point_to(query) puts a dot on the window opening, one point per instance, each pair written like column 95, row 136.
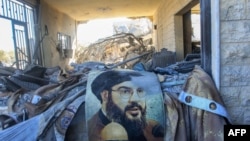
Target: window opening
column 64, row 45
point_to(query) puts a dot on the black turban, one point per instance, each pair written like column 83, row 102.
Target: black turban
column 107, row 79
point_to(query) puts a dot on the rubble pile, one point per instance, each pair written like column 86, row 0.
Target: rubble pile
column 27, row 93
column 40, row 100
column 116, row 49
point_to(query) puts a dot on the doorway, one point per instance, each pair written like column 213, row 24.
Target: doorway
column 18, row 41
column 192, row 30
column 183, row 24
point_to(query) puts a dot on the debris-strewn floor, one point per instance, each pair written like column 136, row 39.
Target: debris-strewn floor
column 35, row 99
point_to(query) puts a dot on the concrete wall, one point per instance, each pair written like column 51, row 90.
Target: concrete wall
column 56, row 22
column 235, row 58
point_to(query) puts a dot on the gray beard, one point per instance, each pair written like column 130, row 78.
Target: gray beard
column 133, row 127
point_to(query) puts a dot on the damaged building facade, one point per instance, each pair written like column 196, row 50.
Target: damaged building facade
column 224, row 39
column 229, row 44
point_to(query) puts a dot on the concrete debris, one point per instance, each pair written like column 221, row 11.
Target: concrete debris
column 36, row 88
column 115, row 49
column 57, row 90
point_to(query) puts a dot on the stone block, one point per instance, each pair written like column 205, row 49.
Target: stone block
column 230, row 96
column 234, row 9
column 235, row 31
column 236, row 75
column 235, row 53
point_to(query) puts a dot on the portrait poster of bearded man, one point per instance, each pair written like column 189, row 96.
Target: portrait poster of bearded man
column 124, row 105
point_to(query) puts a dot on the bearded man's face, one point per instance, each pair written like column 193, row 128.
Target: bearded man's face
column 129, row 112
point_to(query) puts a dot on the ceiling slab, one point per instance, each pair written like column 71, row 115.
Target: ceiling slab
column 84, row 10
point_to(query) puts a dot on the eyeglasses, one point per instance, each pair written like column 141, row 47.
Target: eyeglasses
column 126, row 92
